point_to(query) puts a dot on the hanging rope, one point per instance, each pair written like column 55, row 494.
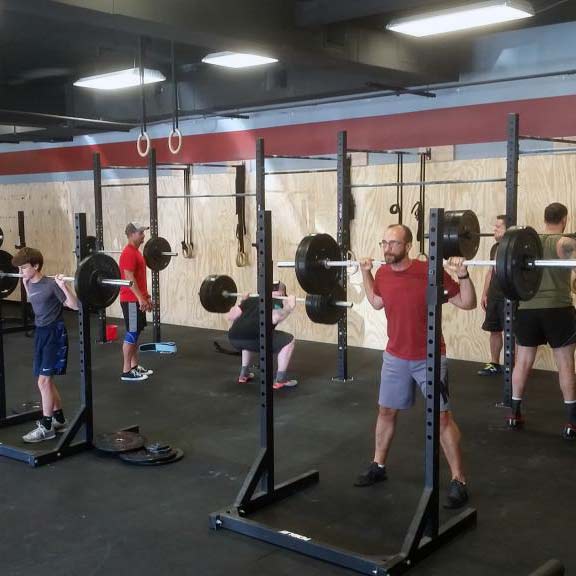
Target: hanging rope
column 175, row 129
column 143, row 137
column 187, row 243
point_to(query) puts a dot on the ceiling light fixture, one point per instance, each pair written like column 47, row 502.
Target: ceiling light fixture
column 237, row 59
column 120, row 79
column 462, row 18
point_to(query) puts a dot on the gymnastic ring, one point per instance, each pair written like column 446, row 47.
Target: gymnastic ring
column 178, row 134
column 241, row 259
column 143, row 136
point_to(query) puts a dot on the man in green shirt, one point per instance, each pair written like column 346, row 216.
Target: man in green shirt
column 549, row 318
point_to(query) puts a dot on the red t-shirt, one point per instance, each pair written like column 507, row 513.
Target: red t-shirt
column 132, row 260
column 404, row 297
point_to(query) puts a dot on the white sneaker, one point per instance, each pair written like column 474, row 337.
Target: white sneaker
column 145, row 371
column 39, row 434
column 59, row 427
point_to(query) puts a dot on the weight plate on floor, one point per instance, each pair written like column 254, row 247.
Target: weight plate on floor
column 311, row 255
column 517, row 249
column 145, row 457
column 119, row 442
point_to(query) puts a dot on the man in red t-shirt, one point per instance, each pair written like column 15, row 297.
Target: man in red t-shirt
column 400, row 288
column 135, row 301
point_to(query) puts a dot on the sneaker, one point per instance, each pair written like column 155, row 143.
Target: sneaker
column 59, row 427
column 490, row 369
column 373, row 474
column 244, row 379
column 457, row 495
column 286, row 384
column 133, row 376
column 142, row 370
column 39, row 434
column 515, row 422
column 569, row 432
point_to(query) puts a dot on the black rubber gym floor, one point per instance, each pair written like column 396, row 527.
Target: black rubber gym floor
column 93, row 515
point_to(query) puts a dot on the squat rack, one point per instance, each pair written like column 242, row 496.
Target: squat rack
column 259, row 489
column 82, row 423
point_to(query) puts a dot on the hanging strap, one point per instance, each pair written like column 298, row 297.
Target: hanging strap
column 241, row 256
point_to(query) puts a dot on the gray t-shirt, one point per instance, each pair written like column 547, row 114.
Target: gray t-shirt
column 46, row 299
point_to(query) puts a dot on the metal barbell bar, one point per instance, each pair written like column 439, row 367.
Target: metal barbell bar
column 332, row 263
column 106, row 281
column 342, row 304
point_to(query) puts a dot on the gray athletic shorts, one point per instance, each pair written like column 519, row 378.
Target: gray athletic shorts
column 399, row 378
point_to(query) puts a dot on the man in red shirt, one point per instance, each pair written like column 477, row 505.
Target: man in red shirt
column 135, row 301
column 400, row 288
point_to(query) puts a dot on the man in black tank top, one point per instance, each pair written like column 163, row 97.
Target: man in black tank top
column 492, row 303
column 549, row 318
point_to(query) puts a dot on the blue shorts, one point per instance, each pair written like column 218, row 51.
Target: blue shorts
column 50, row 349
column 399, row 378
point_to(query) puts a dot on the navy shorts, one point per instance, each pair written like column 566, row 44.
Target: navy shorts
column 51, row 349
column 134, row 318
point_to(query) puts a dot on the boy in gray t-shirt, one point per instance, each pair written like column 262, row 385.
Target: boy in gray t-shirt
column 48, row 297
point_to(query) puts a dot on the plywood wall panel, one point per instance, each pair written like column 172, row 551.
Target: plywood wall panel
column 300, row 204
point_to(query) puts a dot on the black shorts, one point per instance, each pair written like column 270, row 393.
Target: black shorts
column 494, row 320
column 134, row 318
column 279, row 340
column 50, row 349
column 555, row 326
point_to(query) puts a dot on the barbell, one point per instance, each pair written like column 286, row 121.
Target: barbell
column 518, row 264
column 218, row 293
column 157, row 252
column 96, row 281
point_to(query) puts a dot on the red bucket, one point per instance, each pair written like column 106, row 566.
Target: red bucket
column 111, row 332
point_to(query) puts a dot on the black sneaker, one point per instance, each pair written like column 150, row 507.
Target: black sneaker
column 457, row 495
column 515, row 422
column 133, row 376
column 490, row 369
column 374, row 474
column 569, row 432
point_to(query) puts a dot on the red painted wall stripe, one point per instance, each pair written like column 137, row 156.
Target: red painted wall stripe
column 447, row 126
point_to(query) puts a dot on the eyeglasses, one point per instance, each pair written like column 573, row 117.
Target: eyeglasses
column 390, row 244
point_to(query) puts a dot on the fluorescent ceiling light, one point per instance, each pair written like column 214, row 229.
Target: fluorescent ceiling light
column 120, row 79
column 237, row 59
column 463, row 18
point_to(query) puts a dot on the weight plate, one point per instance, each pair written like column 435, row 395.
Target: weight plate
column 1, row 236
column 211, row 293
column 146, row 458
column 461, row 234
column 311, row 272
column 118, row 442
column 153, row 253
column 87, row 281
column 517, row 279
column 320, row 308
column 7, row 284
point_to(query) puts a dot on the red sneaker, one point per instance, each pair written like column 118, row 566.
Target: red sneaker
column 286, row 384
column 244, row 379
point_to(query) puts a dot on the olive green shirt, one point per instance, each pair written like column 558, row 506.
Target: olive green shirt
column 554, row 291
